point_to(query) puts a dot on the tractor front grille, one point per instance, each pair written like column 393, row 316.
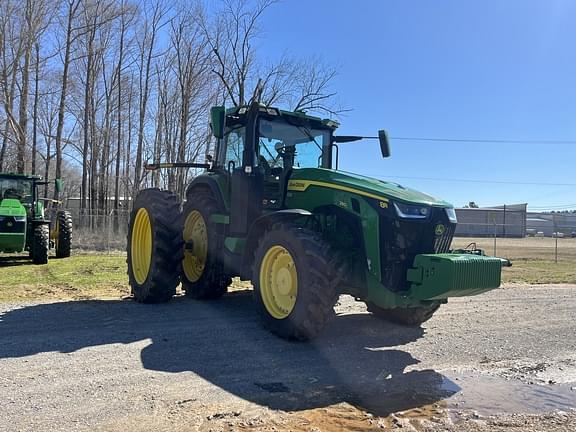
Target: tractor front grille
column 9, row 225
column 442, row 242
column 401, row 240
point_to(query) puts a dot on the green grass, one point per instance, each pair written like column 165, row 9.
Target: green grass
column 540, row 272
column 77, row 277
column 103, row 276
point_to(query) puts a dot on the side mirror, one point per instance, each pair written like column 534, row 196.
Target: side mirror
column 384, row 144
column 59, row 185
column 217, row 121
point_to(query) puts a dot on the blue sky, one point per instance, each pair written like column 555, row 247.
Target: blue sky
column 489, row 69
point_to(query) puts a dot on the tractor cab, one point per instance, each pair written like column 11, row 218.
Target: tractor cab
column 20, row 188
column 258, row 148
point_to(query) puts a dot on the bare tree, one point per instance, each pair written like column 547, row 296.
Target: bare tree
column 126, row 17
column 300, row 84
column 11, row 49
column 231, row 36
column 152, row 25
column 70, row 35
column 192, row 73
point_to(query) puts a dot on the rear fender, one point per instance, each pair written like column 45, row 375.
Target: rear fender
column 207, row 185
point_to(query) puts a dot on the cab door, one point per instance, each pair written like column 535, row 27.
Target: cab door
column 245, row 182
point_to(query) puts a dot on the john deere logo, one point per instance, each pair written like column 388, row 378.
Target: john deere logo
column 439, row 230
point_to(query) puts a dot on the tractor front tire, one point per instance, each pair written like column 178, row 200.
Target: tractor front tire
column 203, row 276
column 40, row 244
column 295, row 276
column 410, row 316
column 63, row 234
column 154, row 246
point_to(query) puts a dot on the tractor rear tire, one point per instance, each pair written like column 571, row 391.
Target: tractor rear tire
column 63, row 234
column 202, row 275
column 295, row 276
column 40, row 244
column 154, row 246
column 410, row 316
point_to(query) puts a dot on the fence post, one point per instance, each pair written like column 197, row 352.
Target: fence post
column 556, row 240
column 495, row 233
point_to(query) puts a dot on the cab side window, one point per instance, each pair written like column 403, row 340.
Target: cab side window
column 235, row 147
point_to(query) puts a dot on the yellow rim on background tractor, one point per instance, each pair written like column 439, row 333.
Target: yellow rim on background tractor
column 278, row 282
column 195, row 238
column 141, row 246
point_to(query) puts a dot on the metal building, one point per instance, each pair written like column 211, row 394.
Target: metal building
column 549, row 223
column 502, row 221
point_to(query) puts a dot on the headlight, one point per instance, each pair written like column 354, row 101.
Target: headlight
column 451, row 213
column 19, row 218
column 411, row 211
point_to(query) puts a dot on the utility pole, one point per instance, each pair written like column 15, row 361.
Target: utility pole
column 504, row 223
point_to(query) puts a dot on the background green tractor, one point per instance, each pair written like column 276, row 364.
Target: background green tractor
column 23, row 223
column 272, row 207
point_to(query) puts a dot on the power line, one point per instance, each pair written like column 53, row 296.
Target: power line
column 478, row 181
column 491, row 141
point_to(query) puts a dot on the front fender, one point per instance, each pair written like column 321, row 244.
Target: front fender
column 259, row 227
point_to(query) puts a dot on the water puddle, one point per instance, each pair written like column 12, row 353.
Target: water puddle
column 435, row 403
column 489, row 395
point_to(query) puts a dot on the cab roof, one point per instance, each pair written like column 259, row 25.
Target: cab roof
column 272, row 111
column 20, row 176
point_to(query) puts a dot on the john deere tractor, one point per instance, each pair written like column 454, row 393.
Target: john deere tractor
column 23, row 224
column 272, row 207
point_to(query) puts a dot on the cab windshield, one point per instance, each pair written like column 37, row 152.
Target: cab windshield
column 20, row 189
column 283, row 145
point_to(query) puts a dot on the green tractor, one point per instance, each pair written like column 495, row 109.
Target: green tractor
column 272, row 207
column 23, row 224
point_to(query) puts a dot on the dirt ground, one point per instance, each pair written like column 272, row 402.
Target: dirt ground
column 502, row 361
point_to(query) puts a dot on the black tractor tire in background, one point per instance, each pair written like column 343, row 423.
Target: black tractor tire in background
column 64, row 233
column 409, row 316
column 318, row 276
column 162, row 277
column 40, row 244
column 211, row 282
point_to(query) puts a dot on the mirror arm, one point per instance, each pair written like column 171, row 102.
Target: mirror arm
column 335, row 146
column 348, row 138
column 382, row 137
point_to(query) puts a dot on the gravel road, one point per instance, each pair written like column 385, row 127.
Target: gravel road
column 505, row 360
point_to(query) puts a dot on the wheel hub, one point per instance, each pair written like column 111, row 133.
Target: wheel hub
column 278, row 282
column 195, row 237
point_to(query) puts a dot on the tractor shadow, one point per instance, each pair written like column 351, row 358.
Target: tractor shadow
column 358, row 359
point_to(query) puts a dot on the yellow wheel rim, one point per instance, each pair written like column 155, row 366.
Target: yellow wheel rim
column 195, row 238
column 141, row 246
column 278, row 282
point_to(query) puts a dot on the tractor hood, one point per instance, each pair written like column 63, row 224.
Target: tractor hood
column 364, row 185
column 11, row 207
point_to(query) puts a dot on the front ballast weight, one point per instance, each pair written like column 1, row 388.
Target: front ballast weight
column 456, row 274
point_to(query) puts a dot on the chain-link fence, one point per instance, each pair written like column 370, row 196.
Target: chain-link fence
column 99, row 231
column 557, row 244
